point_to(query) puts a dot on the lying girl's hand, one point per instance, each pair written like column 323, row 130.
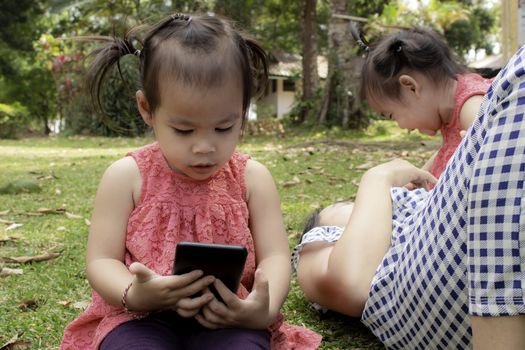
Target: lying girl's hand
column 399, row 172
column 252, row 312
column 152, row 292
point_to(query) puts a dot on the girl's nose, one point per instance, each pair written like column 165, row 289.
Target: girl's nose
column 203, row 146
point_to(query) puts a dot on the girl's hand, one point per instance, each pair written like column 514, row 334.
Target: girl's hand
column 399, row 172
column 151, row 292
column 252, row 312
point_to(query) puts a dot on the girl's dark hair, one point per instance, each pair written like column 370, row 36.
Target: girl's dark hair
column 407, row 50
column 311, row 221
column 199, row 51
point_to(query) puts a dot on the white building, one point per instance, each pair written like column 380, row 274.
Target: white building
column 284, row 71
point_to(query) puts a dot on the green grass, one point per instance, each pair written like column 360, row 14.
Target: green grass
column 36, row 305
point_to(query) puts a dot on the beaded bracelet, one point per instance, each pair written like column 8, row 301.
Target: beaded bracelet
column 124, row 295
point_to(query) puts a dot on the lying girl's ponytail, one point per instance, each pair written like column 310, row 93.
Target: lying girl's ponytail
column 359, row 37
column 390, row 65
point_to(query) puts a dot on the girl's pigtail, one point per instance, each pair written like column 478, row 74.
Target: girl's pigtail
column 393, row 61
column 256, row 64
column 259, row 65
column 359, row 37
column 105, row 57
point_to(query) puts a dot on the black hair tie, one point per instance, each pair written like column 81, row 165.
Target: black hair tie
column 181, row 17
column 397, row 46
column 359, row 37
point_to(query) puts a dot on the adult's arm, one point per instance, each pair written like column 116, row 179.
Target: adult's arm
column 505, row 332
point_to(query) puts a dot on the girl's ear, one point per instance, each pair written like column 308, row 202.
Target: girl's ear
column 409, row 84
column 143, row 107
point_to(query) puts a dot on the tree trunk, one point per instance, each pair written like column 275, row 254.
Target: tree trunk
column 310, row 75
column 341, row 99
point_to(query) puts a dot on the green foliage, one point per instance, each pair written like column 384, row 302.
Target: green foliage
column 465, row 24
column 42, row 69
column 464, row 35
column 25, row 80
column 13, row 119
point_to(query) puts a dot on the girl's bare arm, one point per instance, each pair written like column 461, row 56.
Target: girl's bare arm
column 354, row 258
column 269, row 234
column 106, row 242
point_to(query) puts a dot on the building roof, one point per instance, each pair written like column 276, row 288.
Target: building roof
column 286, row 65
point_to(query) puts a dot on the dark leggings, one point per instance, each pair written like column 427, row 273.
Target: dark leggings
column 167, row 330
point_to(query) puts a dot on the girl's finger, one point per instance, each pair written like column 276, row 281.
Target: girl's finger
column 210, row 315
column 228, row 297
column 186, row 313
column 195, row 303
column 141, row 272
column 185, row 279
column 205, row 323
column 193, row 287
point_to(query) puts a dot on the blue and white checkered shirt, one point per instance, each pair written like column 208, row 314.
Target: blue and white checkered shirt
column 459, row 250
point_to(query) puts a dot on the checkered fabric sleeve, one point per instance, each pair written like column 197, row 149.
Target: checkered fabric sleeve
column 459, row 249
column 496, row 204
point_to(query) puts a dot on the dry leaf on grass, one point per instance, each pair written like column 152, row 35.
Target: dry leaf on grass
column 51, row 211
column 15, row 343
column 47, row 177
column 72, row 216
column 293, row 182
column 28, row 259
column 29, row 304
column 6, row 222
column 87, row 222
column 5, row 212
column 6, row 271
column 82, row 305
column 365, row 166
column 13, row 226
column 5, row 240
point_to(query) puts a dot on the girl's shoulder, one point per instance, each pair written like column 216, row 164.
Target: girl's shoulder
column 125, row 168
column 257, row 177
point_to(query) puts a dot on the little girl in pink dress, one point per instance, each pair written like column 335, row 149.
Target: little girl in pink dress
column 198, row 74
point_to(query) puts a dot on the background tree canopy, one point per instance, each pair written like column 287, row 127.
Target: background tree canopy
column 41, row 66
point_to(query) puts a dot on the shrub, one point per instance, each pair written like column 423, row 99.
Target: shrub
column 13, row 120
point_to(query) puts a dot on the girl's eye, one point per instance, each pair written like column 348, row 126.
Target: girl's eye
column 182, row 131
column 224, row 129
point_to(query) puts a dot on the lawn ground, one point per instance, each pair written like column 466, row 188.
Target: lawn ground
column 37, row 299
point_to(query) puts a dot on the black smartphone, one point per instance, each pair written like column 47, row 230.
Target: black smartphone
column 225, row 262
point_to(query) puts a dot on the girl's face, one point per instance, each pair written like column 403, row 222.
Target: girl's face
column 417, row 107
column 197, row 128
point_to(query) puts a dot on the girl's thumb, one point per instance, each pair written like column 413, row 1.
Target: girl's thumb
column 141, row 272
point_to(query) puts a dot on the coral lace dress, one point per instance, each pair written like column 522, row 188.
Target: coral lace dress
column 468, row 85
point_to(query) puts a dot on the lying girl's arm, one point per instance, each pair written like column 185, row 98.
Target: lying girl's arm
column 269, row 234
column 356, row 255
